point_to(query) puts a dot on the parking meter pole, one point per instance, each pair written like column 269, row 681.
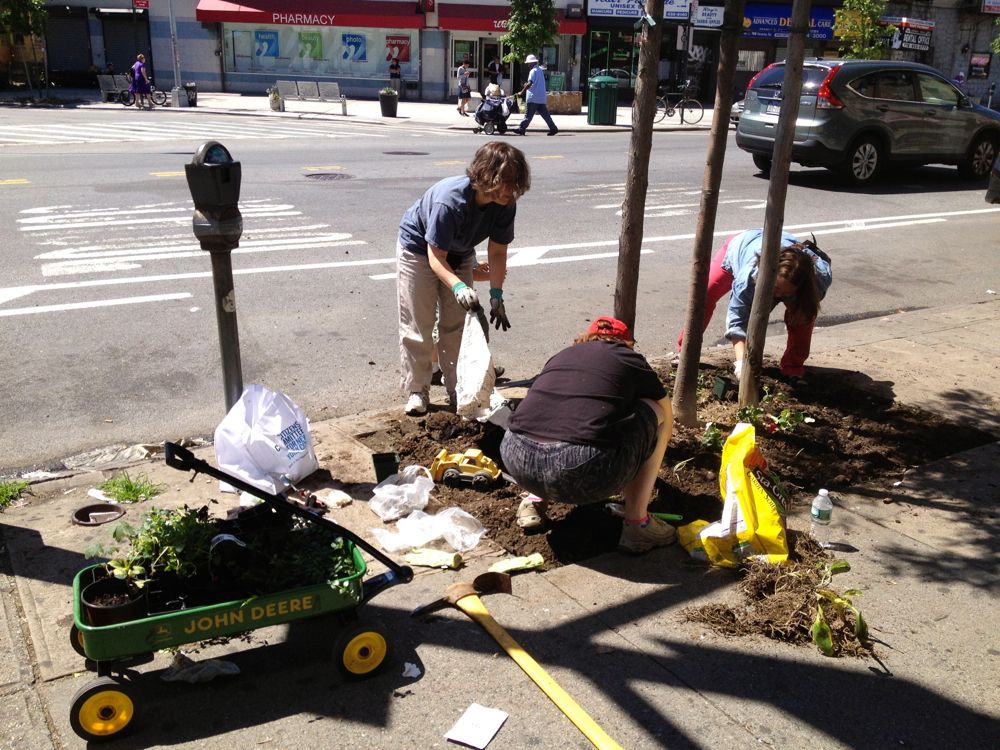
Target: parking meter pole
column 214, row 180
column 229, row 335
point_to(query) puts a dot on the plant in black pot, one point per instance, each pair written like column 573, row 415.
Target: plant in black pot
column 116, row 593
column 388, row 99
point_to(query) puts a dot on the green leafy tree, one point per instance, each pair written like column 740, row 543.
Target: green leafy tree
column 23, row 18
column 857, row 26
column 532, row 25
column 995, row 44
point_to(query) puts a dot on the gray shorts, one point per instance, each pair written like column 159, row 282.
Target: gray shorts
column 580, row 474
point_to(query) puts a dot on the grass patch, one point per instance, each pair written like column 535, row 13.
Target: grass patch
column 10, row 491
column 125, row 489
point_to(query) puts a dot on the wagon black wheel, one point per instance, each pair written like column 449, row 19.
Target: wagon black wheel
column 102, row 709
column 360, row 649
column 76, row 640
column 159, row 97
column 127, row 98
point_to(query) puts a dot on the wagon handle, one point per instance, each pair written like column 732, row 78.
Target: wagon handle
column 181, row 458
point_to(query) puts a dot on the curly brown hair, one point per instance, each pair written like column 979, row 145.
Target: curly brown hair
column 799, row 267
column 498, row 165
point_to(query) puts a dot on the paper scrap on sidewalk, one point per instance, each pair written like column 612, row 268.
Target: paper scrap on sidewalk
column 98, row 495
column 411, row 670
column 477, row 726
column 335, row 498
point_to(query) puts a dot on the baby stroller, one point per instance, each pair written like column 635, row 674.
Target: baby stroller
column 492, row 113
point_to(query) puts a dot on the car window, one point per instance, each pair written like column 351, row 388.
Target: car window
column 935, row 91
column 865, row 85
column 812, row 77
column 896, row 85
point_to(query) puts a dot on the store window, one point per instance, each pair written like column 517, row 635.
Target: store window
column 313, row 50
column 462, row 50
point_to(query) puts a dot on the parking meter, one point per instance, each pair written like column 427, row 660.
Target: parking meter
column 214, row 180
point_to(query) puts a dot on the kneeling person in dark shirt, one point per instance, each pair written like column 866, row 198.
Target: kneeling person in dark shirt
column 595, row 422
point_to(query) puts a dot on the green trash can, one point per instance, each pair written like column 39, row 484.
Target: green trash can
column 602, row 102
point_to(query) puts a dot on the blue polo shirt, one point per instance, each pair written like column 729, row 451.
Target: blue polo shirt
column 447, row 217
column 536, row 94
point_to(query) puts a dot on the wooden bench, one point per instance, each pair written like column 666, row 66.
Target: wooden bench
column 112, row 86
column 320, row 91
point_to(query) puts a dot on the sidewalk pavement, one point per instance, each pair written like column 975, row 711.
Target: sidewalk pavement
column 607, row 630
column 428, row 114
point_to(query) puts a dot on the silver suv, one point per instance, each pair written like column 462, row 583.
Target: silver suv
column 856, row 116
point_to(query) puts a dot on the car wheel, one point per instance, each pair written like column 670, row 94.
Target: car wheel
column 763, row 163
column 864, row 161
column 979, row 161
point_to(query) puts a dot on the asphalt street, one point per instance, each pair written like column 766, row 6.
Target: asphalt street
column 106, row 300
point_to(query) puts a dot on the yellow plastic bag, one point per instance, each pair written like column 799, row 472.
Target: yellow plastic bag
column 753, row 511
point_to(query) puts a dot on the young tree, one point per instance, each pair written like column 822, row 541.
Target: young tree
column 532, row 25
column 637, row 170
column 23, row 18
column 857, row 26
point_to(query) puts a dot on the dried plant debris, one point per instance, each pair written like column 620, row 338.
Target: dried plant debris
column 793, row 602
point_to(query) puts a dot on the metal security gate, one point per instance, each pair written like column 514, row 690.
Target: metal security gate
column 67, row 47
column 125, row 36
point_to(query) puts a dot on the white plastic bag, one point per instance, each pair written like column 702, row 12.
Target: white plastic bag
column 400, row 494
column 264, row 437
column 461, row 530
column 476, row 375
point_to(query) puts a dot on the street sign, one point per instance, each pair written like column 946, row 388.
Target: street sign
column 140, row 4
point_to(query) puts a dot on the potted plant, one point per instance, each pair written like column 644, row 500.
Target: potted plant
column 388, row 99
column 116, row 593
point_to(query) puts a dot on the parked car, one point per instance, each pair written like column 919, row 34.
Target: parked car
column 625, row 79
column 736, row 111
column 993, row 191
column 857, row 116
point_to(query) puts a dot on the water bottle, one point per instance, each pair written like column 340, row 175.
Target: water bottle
column 822, row 513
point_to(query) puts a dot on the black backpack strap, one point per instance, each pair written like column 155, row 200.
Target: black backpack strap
column 813, row 247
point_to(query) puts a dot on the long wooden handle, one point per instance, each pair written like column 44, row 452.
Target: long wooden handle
column 473, row 606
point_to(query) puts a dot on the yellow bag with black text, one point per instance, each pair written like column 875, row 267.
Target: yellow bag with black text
column 753, row 511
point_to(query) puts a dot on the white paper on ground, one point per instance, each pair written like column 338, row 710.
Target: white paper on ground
column 477, row 726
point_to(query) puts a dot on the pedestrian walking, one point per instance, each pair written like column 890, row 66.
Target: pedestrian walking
column 436, row 255
column 803, row 278
column 595, row 422
column 535, row 97
column 140, row 85
column 396, row 75
column 464, row 91
column 495, row 70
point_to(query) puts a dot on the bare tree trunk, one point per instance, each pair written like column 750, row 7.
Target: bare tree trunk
column 774, row 214
column 637, row 173
column 686, row 385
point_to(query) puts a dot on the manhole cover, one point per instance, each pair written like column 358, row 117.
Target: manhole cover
column 405, row 153
column 329, row 176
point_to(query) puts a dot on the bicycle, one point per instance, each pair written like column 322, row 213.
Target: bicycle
column 690, row 108
column 159, row 98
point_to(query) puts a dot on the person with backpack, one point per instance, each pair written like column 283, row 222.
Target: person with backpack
column 803, row 278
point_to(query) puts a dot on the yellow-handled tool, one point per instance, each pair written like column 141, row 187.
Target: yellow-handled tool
column 465, row 596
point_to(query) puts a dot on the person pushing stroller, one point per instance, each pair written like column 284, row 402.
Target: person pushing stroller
column 492, row 113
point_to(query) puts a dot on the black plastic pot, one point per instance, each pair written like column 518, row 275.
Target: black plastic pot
column 99, row 612
column 388, row 104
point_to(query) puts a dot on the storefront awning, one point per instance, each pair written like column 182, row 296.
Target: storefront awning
column 366, row 13
column 454, row 17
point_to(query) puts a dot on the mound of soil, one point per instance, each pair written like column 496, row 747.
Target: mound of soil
column 850, row 439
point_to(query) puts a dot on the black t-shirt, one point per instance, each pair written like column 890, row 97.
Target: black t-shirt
column 587, row 394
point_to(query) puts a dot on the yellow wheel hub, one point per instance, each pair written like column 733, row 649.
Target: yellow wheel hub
column 105, row 713
column 364, row 652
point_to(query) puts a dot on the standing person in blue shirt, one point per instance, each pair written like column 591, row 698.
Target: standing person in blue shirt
column 536, row 98
column 436, row 255
column 803, row 277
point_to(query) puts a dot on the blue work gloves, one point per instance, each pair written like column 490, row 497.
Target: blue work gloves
column 498, row 315
column 466, row 296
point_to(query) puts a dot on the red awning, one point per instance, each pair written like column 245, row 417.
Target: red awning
column 367, row 13
column 454, row 17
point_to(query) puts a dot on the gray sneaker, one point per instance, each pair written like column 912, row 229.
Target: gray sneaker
column 638, row 539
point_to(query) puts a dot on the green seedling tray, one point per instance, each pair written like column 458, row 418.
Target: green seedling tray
column 163, row 630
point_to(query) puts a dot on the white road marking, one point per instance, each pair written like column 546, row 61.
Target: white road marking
column 95, row 303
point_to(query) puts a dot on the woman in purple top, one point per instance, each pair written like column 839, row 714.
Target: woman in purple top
column 140, row 82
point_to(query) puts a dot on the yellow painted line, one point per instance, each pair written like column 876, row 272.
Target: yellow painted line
column 320, row 169
column 448, row 163
column 17, row 181
column 167, row 174
column 548, row 157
